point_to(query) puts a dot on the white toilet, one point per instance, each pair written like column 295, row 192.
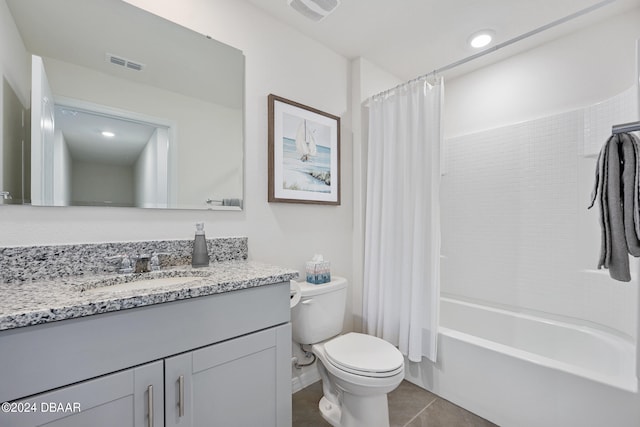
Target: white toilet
column 357, row 370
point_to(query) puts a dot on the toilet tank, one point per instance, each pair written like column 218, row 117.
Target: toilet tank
column 320, row 313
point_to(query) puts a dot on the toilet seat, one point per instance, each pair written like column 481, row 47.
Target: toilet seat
column 364, row 355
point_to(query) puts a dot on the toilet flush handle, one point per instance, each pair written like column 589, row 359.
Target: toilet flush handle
column 307, row 301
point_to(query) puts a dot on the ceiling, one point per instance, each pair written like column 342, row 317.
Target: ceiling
column 50, row 28
column 82, row 132
column 53, row 29
column 409, row 38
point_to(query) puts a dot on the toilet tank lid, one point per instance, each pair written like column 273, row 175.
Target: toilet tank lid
column 309, row 289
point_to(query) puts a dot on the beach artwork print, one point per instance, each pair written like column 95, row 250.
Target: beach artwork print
column 303, row 154
column 306, row 155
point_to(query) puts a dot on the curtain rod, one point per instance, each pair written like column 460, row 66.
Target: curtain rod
column 516, row 39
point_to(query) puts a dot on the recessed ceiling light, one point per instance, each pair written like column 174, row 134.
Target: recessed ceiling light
column 481, row 38
column 108, row 134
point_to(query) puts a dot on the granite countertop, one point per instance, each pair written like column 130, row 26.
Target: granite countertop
column 34, row 303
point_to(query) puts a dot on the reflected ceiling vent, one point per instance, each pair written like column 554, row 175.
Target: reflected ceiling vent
column 124, row 62
column 316, row 10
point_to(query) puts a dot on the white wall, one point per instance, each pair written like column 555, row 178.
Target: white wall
column 62, row 171
column 14, row 62
column 516, row 231
column 144, row 171
column 150, row 172
column 14, row 66
column 277, row 61
column 514, row 200
column 11, row 142
column 99, row 183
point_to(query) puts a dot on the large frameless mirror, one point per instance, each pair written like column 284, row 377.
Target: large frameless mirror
column 126, row 109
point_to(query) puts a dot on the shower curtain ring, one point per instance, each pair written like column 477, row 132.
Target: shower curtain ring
column 432, row 79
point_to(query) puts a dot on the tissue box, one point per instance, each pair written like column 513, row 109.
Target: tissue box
column 318, row 272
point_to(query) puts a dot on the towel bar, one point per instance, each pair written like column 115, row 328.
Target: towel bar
column 626, row 127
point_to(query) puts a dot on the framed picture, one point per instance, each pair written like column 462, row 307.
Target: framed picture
column 304, row 154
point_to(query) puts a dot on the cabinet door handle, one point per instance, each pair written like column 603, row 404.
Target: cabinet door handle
column 181, row 396
column 150, row 405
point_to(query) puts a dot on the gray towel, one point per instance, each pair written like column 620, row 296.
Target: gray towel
column 629, row 183
column 617, row 179
column 232, row 202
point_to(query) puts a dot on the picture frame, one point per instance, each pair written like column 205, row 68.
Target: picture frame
column 304, row 154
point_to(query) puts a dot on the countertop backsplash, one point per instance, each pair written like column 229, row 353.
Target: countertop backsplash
column 35, row 263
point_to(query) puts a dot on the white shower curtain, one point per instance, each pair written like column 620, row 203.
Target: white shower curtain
column 402, row 231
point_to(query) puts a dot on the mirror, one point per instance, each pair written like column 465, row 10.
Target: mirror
column 127, row 109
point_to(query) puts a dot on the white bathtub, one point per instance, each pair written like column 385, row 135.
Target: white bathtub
column 525, row 371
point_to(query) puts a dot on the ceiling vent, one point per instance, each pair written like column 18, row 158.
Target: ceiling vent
column 316, row 10
column 123, row 62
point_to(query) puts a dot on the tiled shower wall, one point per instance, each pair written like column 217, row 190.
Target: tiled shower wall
column 515, row 229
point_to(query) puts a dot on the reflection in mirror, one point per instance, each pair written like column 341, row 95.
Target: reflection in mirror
column 109, row 160
column 15, row 179
column 172, row 98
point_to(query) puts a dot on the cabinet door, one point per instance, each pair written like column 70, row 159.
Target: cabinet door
column 237, row 383
column 121, row 399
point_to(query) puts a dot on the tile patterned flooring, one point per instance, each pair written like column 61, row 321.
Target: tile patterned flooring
column 409, row 406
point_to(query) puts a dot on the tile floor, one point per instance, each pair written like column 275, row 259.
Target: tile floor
column 409, row 406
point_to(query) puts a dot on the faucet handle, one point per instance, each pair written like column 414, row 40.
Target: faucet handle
column 155, row 260
column 125, row 263
column 154, row 263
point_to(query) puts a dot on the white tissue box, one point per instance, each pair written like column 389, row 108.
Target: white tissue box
column 318, row 272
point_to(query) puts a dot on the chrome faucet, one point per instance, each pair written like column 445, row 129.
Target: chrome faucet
column 143, row 264
column 4, row 195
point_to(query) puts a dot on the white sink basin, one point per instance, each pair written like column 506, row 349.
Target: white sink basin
column 134, row 285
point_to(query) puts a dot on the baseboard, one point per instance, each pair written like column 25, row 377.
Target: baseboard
column 305, row 379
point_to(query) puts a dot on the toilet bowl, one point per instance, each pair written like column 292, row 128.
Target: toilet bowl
column 357, row 370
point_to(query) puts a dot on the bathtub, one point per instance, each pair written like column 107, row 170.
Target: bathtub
column 526, row 371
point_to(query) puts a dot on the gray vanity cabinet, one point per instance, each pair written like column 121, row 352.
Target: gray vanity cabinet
column 234, row 383
column 219, row 360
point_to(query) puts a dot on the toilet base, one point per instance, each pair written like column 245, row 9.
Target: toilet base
column 351, row 400
column 356, row 411
column 330, row 412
